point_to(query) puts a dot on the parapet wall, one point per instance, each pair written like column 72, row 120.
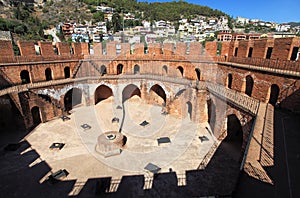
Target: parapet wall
column 282, row 48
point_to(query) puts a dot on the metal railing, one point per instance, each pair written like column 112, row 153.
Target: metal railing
column 285, row 67
column 240, row 99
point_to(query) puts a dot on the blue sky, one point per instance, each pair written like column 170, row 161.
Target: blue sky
column 279, row 11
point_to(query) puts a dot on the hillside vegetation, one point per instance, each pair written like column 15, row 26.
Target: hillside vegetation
column 27, row 22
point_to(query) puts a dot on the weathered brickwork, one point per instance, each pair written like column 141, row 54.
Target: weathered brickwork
column 211, row 48
column 63, row 48
column 264, row 86
column 46, row 48
column 6, row 49
column 26, row 48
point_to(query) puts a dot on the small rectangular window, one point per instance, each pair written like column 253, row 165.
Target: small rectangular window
column 269, row 52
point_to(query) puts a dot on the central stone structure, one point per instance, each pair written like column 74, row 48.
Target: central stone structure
column 110, row 143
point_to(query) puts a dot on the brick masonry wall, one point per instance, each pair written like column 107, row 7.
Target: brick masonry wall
column 85, row 48
column 282, row 48
column 243, row 49
column 154, row 49
column 26, row 48
column 225, row 48
column 46, row 48
column 63, row 48
column 6, row 49
column 180, row 49
column 77, row 48
column 98, row 49
column 211, row 48
column 168, row 49
column 195, row 48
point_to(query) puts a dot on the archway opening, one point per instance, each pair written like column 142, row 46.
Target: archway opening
column 48, row 74
column 103, row 70
column 179, row 93
column 45, row 97
column 24, row 75
column 102, row 92
column 130, row 91
column 180, row 71
column 198, row 73
column 211, row 111
column 119, row 69
column 229, row 81
column 158, row 95
column 67, row 72
column 36, row 116
column 234, row 131
column 274, row 93
column 249, row 85
column 165, row 70
column 136, row 69
column 72, row 98
column 189, row 109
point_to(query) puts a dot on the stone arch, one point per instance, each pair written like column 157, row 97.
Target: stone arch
column 180, row 71
column 180, row 92
column 165, row 70
column 136, row 69
column 103, row 70
column 72, row 98
column 119, row 69
column 249, row 85
column 36, row 115
column 102, row 92
column 229, row 81
column 274, row 93
column 48, row 74
column 25, row 78
column 234, row 130
column 130, row 91
column 45, row 97
column 158, row 94
column 212, row 113
column 67, row 72
column 189, row 109
column 198, row 73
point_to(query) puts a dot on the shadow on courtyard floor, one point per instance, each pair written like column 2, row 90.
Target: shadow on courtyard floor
column 22, row 174
column 285, row 173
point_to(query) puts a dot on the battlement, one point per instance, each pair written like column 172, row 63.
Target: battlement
column 281, row 48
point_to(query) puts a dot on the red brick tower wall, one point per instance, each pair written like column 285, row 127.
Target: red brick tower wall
column 85, row 48
column 26, row 48
column 154, row 48
column 180, row 49
column 46, row 48
column 6, row 49
column 63, row 48
column 111, row 49
column 225, row 48
column 98, row 49
column 77, row 48
column 260, row 48
column 125, row 48
column 195, row 48
column 243, row 48
column 139, row 49
column 211, row 48
column 283, row 48
column 233, row 45
column 168, row 49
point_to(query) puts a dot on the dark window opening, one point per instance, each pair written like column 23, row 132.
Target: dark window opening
column 250, row 52
column 269, row 52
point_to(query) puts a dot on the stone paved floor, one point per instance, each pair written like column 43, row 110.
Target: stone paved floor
column 24, row 171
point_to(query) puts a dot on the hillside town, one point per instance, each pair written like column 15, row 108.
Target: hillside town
column 198, row 29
